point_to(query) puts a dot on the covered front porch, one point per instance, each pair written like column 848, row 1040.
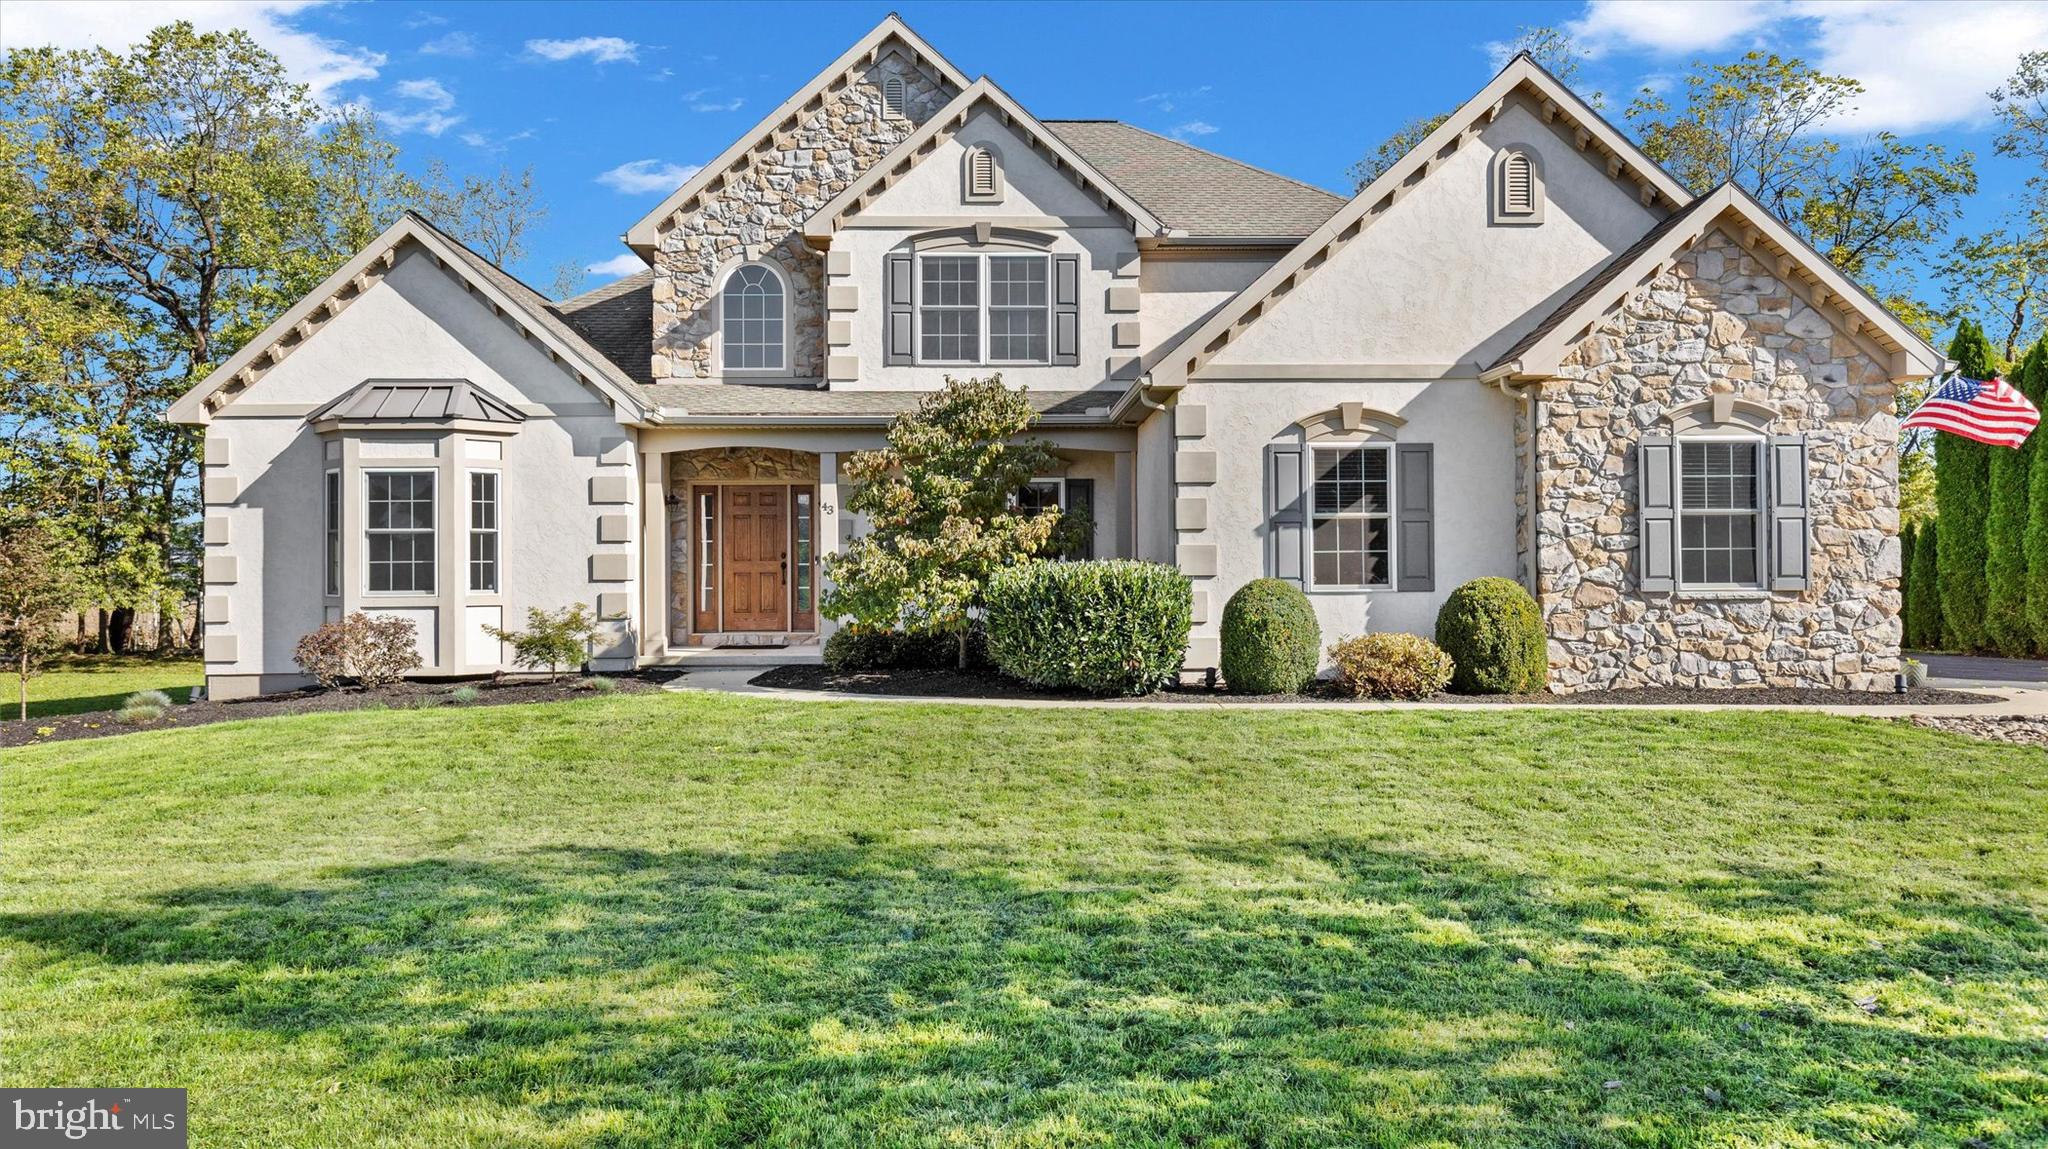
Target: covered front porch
column 739, row 523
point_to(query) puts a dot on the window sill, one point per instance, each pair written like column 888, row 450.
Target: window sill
column 1728, row 595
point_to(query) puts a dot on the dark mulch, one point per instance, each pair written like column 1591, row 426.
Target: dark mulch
column 929, row 683
column 403, row 696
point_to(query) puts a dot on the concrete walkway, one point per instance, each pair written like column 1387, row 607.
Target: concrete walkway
column 2031, row 701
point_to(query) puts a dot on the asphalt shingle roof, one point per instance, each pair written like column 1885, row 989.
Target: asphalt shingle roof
column 1196, row 191
column 618, row 320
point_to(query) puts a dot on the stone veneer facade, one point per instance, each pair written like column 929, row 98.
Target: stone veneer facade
column 760, row 211
column 1717, row 321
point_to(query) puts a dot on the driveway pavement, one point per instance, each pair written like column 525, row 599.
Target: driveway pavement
column 1965, row 670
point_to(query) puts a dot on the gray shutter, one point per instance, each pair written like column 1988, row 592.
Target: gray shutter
column 1066, row 310
column 1790, row 556
column 900, row 344
column 1414, row 516
column 1657, row 514
column 1286, row 516
column 1081, row 497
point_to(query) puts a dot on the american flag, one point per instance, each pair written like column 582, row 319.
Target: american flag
column 1987, row 410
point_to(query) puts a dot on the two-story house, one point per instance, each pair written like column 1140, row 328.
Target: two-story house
column 1524, row 350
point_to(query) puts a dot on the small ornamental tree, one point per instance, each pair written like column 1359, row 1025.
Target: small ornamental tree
column 39, row 584
column 556, row 640
column 2006, row 624
column 1962, row 500
column 941, row 505
column 1923, row 607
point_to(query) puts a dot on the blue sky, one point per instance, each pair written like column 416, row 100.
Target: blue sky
column 613, row 103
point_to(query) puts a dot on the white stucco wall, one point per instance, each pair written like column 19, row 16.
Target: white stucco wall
column 1179, row 293
column 416, row 323
column 1471, row 428
column 1432, row 282
column 930, row 197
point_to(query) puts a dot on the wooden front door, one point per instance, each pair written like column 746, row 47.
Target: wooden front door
column 756, row 530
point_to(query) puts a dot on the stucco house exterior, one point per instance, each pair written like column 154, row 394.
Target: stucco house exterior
column 1524, row 350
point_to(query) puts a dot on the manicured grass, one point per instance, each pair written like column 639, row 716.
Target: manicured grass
column 706, row 920
column 75, row 685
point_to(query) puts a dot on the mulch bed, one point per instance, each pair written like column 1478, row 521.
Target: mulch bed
column 402, row 696
column 929, row 683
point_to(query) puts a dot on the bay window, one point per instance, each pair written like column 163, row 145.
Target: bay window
column 399, row 531
column 483, row 531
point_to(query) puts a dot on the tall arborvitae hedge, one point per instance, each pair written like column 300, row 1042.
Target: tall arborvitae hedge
column 1923, row 610
column 1908, row 536
column 1962, row 500
column 2006, row 623
column 2036, row 543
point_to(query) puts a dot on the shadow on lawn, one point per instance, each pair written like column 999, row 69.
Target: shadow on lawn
column 1338, row 993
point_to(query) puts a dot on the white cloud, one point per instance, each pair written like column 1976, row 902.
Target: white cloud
column 458, row 44
column 428, row 108
column 1194, row 128
column 1168, row 101
column 601, row 49
column 642, row 176
column 732, row 105
column 618, row 266
column 321, row 63
column 1666, row 28
column 1922, row 66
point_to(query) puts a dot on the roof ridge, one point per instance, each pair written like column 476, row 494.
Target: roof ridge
column 479, row 256
column 607, row 290
column 1338, row 196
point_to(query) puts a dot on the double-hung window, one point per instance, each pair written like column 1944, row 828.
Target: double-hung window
column 483, row 531
column 400, row 531
column 1351, row 528
column 984, row 309
column 1720, row 512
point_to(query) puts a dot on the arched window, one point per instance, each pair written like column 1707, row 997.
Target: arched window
column 981, row 175
column 1517, row 186
column 752, row 310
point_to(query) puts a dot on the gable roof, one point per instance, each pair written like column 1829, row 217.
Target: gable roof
column 643, row 235
column 525, row 309
column 1522, row 75
column 918, row 145
column 618, row 320
column 1820, row 283
column 417, row 401
column 1197, row 192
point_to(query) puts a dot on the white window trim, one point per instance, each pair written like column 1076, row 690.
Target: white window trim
column 984, row 309
column 1308, row 495
column 333, row 521
column 471, row 530
column 788, row 302
column 435, row 530
column 1761, row 515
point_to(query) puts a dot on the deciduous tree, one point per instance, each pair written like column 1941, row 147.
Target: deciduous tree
column 38, row 589
column 941, row 505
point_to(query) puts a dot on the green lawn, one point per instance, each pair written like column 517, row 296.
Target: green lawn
column 75, row 685
column 707, row 920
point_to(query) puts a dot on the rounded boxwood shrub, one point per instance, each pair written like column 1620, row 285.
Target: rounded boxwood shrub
column 1405, row 666
column 1107, row 627
column 1270, row 639
column 1494, row 634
